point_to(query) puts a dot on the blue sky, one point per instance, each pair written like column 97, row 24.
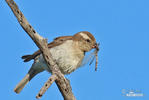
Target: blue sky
column 121, row 27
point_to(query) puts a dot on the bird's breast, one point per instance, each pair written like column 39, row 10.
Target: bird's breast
column 66, row 56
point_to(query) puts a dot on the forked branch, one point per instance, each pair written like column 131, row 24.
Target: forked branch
column 62, row 83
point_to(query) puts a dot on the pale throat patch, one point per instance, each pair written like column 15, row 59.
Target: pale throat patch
column 85, row 36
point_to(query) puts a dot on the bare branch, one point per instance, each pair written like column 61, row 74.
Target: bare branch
column 62, row 83
column 46, row 86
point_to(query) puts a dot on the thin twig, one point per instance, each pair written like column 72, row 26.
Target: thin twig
column 46, row 86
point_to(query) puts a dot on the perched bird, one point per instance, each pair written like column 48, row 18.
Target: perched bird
column 67, row 51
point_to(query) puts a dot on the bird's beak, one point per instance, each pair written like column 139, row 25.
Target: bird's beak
column 96, row 46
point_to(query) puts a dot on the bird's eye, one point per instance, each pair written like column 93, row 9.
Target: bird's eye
column 88, row 40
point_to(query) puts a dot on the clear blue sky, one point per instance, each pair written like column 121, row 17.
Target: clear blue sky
column 121, row 27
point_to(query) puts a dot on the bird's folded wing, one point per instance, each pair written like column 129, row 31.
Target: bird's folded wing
column 57, row 41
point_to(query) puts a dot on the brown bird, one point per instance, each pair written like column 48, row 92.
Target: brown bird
column 67, row 51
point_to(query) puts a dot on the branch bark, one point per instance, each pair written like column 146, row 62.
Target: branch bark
column 62, row 83
column 46, row 85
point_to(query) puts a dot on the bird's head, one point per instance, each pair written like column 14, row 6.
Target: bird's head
column 86, row 41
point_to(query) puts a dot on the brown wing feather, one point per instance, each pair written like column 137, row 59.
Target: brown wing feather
column 57, row 41
column 62, row 38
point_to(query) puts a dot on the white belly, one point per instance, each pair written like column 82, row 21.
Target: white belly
column 65, row 56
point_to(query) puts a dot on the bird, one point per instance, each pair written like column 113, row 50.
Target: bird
column 67, row 51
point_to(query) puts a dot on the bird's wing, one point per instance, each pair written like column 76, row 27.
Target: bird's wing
column 57, row 41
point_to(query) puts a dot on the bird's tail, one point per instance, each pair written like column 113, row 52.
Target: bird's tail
column 32, row 72
column 27, row 58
